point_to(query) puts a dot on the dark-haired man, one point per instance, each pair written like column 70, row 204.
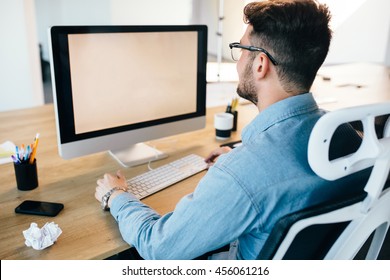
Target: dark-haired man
column 247, row 189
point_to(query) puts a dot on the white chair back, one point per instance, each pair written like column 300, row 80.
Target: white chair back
column 366, row 216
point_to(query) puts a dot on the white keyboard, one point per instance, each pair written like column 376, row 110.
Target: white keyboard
column 164, row 176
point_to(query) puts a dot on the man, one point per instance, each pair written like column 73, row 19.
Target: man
column 249, row 188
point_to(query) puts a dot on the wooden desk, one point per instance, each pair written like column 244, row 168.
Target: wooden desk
column 89, row 232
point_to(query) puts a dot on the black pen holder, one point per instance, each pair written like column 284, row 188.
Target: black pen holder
column 26, row 175
column 235, row 114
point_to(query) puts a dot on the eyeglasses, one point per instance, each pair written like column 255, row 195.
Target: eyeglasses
column 236, row 51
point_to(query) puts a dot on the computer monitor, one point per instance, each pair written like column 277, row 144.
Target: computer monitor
column 115, row 87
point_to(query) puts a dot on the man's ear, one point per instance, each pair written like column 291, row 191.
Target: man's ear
column 261, row 66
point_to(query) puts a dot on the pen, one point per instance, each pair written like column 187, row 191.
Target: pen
column 17, row 152
column 27, row 154
column 228, row 108
column 16, row 160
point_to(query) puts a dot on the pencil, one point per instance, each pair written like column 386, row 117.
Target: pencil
column 34, row 149
column 234, row 104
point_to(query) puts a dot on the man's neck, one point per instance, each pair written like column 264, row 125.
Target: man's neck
column 270, row 96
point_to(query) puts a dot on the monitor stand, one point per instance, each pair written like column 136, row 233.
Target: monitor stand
column 136, row 155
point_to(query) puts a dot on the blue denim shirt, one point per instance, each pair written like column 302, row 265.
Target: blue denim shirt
column 241, row 196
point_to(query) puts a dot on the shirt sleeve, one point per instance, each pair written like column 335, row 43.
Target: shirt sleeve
column 217, row 213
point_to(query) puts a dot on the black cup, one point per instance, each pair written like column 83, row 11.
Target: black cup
column 223, row 134
column 26, row 175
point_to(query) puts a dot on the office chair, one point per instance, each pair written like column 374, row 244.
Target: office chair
column 339, row 229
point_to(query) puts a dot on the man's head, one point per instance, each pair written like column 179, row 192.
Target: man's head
column 295, row 33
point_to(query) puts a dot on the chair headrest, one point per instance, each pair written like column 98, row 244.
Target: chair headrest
column 371, row 149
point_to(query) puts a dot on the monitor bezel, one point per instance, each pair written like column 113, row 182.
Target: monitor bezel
column 62, row 91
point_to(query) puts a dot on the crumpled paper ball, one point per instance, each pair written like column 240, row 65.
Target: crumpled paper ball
column 41, row 238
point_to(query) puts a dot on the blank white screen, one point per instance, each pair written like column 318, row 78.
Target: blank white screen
column 125, row 78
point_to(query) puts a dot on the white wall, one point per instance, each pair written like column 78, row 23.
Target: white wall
column 233, row 24
column 47, row 14
column 69, row 12
column 151, row 12
column 207, row 13
column 364, row 35
column 20, row 73
column 387, row 61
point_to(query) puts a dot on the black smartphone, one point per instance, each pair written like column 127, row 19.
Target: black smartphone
column 42, row 208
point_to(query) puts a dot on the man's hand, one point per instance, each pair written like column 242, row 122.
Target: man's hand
column 212, row 157
column 109, row 181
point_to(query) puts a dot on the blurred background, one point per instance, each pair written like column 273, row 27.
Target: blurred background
column 361, row 34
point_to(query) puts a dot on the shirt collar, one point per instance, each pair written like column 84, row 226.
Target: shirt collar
column 279, row 111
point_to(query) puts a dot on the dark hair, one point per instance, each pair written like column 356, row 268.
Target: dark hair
column 297, row 35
